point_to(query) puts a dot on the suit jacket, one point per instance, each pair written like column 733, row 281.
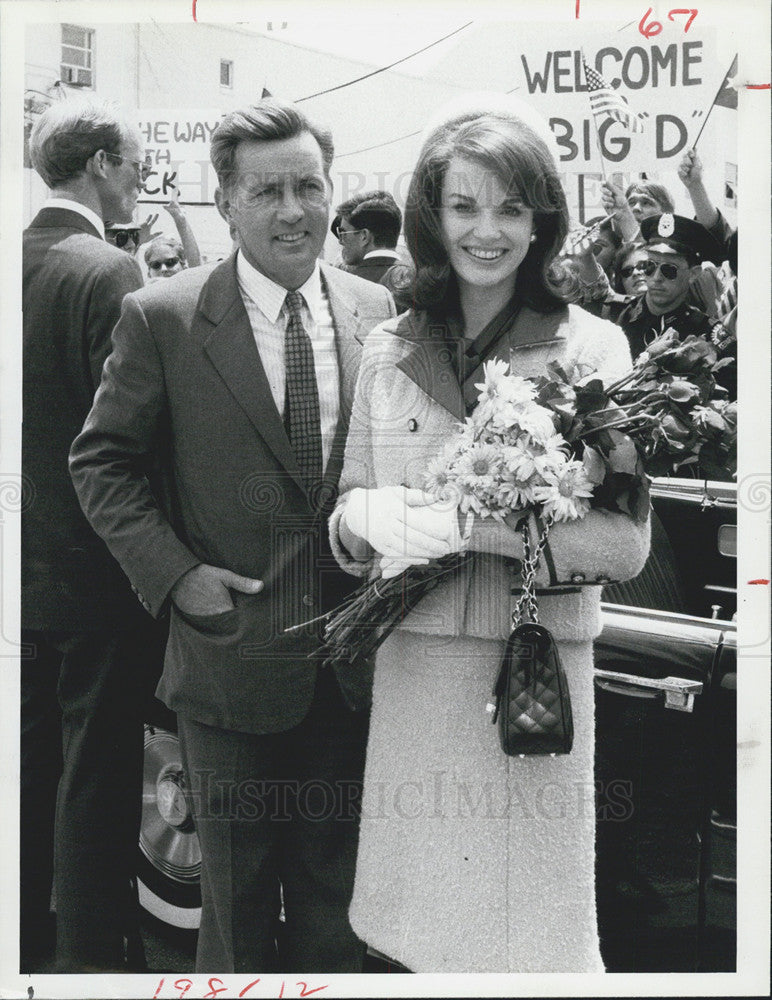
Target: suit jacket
column 73, row 286
column 373, row 268
column 185, row 388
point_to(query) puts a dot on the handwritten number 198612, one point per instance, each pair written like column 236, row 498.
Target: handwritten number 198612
column 216, row 987
column 654, row 27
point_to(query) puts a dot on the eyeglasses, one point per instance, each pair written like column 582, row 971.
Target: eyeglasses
column 156, row 265
column 346, row 232
column 640, row 265
column 143, row 167
column 122, row 236
column 668, row 271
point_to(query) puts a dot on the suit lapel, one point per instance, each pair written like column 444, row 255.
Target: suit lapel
column 231, row 348
column 349, row 340
column 429, row 364
column 349, row 337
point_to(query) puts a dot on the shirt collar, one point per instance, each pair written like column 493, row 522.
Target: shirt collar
column 269, row 297
column 382, row 252
column 75, row 206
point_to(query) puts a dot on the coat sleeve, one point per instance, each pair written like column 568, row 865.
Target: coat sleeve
column 358, row 462
column 113, row 280
column 112, row 456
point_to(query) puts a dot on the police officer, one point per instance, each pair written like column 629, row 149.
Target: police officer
column 674, row 245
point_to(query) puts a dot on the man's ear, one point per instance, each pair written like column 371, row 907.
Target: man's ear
column 96, row 165
column 367, row 238
column 223, row 204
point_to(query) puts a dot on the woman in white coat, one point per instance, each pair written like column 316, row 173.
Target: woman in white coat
column 471, row 861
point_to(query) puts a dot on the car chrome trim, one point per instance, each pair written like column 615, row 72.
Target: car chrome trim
column 679, row 692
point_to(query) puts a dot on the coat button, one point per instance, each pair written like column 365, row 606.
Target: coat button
column 602, row 579
column 577, row 578
column 412, row 424
column 308, row 600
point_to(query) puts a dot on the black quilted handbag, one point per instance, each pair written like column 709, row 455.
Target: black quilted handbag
column 532, row 704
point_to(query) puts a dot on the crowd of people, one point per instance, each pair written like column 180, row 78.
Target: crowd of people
column 209, row 468
column 649, row 269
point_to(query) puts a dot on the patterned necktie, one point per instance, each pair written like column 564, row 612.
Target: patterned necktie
column 302, row 395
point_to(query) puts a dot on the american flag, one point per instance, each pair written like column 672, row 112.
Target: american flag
column 605, row 101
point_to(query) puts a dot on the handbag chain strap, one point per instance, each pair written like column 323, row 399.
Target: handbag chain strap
column 527, row 601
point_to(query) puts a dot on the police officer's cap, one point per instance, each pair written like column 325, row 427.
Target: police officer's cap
column 670, row 233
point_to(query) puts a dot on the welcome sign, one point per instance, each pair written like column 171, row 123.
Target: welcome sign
column 669, row 84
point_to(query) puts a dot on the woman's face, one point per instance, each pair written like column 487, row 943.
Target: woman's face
column 486, row 231
column 642, row 205
column 634, row 282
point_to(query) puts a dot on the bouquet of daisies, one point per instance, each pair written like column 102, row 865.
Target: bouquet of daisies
column 557, row 448
column 509, row 457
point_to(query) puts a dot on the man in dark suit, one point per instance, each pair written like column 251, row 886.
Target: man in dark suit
column 83, row 632
column 240, row 380
column 367, row 227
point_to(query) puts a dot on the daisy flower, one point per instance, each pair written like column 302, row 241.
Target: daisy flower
column 519, row 458
column 566, row 492
column 494, row 375
column 479, row 466
column 537, row 421
column 437, row 478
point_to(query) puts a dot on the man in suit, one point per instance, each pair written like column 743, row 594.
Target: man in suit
column 85, row 644
column 367, row 227
column 239, row 379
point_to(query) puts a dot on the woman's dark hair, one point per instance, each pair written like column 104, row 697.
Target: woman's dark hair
column 523, row 163
column 620, row 258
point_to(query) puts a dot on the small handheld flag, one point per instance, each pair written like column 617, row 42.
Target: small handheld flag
column 605, row 101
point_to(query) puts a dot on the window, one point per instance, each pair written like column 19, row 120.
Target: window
column 226, row 73
column 77, row 56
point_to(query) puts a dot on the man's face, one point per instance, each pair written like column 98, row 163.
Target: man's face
column 278, row 204
column 666, row 291
column 643, row 206
column 122, row 183
column 352, row 242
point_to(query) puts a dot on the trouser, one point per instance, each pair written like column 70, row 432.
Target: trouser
column 81, row 790
column 278, row 812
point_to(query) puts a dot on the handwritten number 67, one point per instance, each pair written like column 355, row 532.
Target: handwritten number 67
column 654, row 27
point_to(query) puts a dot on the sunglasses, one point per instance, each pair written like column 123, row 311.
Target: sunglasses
column 346, row 232
column 630, row 268
column 156, row 265
column 122, row 236
column 143, row 167
column 668, row 271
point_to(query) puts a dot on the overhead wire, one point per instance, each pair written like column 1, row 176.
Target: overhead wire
column 383, row 69
column 399, row 138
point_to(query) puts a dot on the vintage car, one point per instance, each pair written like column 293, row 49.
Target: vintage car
column 665, row 677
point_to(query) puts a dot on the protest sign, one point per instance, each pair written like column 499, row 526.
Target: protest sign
column 177, row 145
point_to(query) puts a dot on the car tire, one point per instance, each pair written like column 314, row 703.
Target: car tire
column 169, row 862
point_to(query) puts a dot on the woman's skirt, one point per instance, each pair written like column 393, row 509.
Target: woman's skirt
column 469, row 860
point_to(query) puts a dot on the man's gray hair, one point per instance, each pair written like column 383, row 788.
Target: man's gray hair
column 68, row 134
column 266, row 121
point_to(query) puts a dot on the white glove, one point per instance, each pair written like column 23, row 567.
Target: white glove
column 442, row 514
column 398, row 523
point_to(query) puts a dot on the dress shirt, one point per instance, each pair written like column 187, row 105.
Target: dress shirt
column 264, row 302
column 382, row 252
column 75, row 206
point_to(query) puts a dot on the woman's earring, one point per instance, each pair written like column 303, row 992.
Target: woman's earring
column 533, row 237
